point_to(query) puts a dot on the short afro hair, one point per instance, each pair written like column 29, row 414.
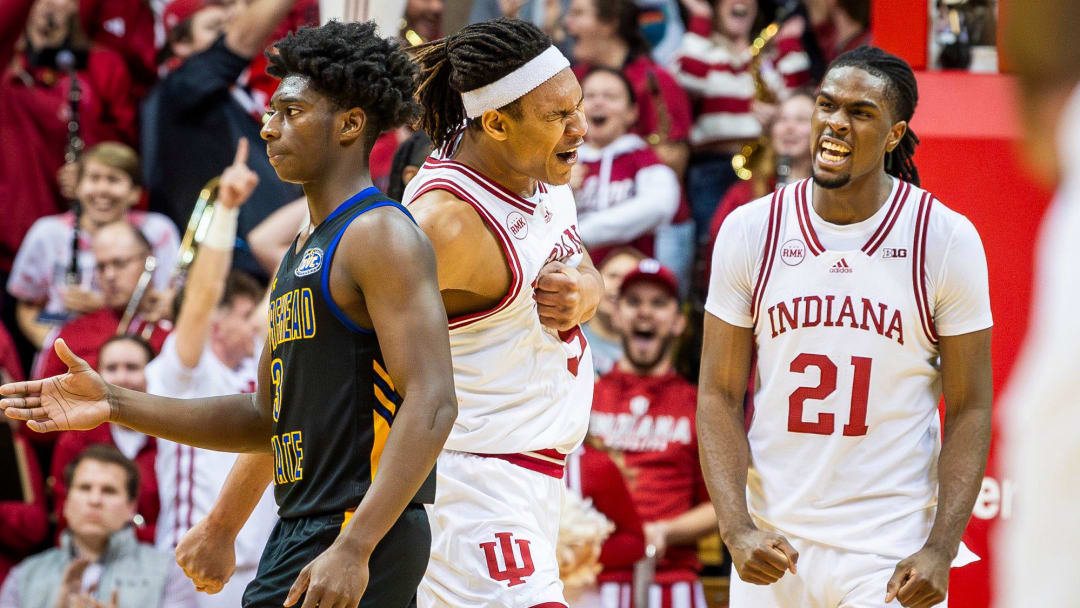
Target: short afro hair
column 354, row 67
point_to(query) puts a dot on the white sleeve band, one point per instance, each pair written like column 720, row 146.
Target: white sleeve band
column 221, row 233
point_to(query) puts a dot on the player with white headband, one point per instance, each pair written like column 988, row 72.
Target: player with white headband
column 504, row 110
column 505, row 113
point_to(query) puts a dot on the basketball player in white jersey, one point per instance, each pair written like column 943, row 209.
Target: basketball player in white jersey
column 517, row 284
column 861, row 299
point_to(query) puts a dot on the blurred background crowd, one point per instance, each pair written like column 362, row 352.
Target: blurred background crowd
column 115, row 115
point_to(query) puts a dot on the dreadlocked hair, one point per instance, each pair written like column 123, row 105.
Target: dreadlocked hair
column 355, row 68
column 477, row 55
column 902, row 92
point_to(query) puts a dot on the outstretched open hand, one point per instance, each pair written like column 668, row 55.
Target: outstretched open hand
column 77, row 400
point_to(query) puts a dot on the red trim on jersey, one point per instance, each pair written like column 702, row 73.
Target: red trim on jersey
column 176, row 498
column 495, row 188
column 918, row 267
column 897, row 205
column 190, row 489
column 504, row 241
column 771, row 242
column 802, row 211
column 550, row 605
column 532, row 463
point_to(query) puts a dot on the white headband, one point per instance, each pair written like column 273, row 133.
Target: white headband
column 516, row 84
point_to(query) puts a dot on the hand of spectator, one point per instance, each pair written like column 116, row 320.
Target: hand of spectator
column 207, row 556
column 77, row 400
column 510, row 8
column 792, row 28
column 698, row 8
column 764, row 112
column 82, row 301
column 656, row 535
column 761, row 557
column 84, row 600
column 577, row 176
column 157, row 304
column 68, row 178
column 238, row 181
column 921, row 580
column 71, row 582
column 558, row 296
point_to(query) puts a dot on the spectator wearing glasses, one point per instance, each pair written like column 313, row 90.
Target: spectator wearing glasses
column 120, row 251
column 108, row 185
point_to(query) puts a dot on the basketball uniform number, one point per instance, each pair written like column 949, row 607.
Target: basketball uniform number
column 277, row 373
column 570, row 336
column 825, row 423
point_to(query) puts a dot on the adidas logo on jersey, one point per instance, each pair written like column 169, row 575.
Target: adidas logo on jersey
column 841, row 266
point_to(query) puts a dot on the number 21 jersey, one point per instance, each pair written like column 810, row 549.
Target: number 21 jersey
column 844, row 433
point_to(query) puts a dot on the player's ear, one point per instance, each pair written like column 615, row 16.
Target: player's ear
column 494, row 124
column 896, row 133
column 353, row 122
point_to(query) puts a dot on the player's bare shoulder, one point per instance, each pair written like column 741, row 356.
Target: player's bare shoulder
column 465, row 246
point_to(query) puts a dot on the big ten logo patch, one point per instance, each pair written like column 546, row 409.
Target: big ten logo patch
column 793, row 252
column 510, row 571
column 516, row 224
column 893, row 253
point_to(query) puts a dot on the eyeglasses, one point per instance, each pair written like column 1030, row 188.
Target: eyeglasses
column 118, row 264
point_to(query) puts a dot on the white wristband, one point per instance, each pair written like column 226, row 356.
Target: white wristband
column 221, row 234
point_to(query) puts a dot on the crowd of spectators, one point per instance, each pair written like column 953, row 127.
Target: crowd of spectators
column 116, row 113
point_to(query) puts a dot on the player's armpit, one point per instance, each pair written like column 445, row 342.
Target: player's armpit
column 473, row 271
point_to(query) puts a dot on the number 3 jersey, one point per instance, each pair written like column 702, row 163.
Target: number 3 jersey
column 844, row 433
column 333, row 401
column 521, row 387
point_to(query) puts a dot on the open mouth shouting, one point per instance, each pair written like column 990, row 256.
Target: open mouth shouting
column 832, row 153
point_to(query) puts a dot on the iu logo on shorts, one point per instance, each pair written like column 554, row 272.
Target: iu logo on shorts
column 511, row 571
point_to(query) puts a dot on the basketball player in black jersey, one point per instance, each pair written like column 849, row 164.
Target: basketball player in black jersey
column 355, row 395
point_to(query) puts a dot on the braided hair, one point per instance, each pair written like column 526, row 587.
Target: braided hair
column 475, row 56
column 355, row 68
column 902, row 92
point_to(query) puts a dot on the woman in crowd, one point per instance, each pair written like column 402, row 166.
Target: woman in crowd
column 108, row 185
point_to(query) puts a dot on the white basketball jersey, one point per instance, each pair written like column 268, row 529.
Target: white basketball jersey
column 521, row 387
column 844, row 434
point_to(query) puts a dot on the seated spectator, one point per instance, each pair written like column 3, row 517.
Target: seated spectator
column 623, row 192
column 408, row 159
column 212, row 351
column 107, row 187
column 789, row 158
column 99, row 559
column 200, row 108
column 121, row 361
column 645, row 411
column 24, row 519
column 600, row 331
column 35, row 108
column 607, row 33
column 422, row 21
column 714, row 65
column 120, row 251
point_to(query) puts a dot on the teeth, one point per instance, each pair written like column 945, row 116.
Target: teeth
column 828, row 145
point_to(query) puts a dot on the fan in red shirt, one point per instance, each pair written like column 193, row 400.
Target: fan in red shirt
column 35, row 110
column 645, row 410
column 121, row 361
